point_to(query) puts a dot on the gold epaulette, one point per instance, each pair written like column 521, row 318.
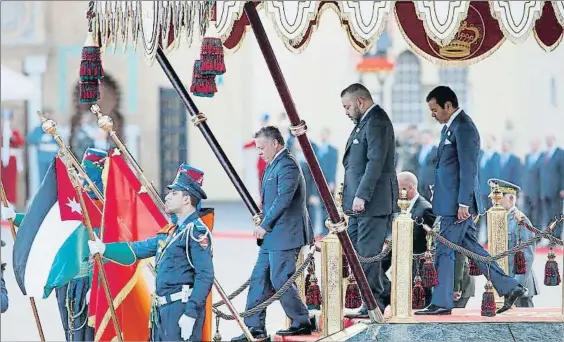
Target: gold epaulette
column 168, row 229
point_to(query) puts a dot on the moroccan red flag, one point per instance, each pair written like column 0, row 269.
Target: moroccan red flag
column 129, row 215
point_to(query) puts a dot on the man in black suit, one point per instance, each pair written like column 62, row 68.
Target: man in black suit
column 426, row 158
column 422, row 213
column 455, row 199
column 371, row 188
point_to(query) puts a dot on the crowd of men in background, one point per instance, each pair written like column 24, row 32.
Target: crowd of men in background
column 540, row 175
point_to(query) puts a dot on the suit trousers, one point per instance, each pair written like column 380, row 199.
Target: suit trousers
column 533, row 210
column 464, row 235
column 367, row 235
column 524, row 302
column 167, row 329
column 272, row 270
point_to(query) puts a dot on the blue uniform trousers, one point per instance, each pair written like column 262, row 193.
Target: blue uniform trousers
column 464, row 235
column 75, row 322
column 272, row 270
column 167, row 328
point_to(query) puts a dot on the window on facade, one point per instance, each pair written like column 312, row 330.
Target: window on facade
column 457, row 80
column 406, row 90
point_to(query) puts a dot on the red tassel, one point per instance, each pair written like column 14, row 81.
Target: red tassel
column 473, row 268
column 345, row 267
column 551, row 272
column 418, row 296
column 488, row 301
column 520, row 263
column 353, row 300
column 202, row 85
column 89, row 91
column 313, row 296
column 212, row 56
column 429, row 278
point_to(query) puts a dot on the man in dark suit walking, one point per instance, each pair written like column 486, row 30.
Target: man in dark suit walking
column 371, row 188
column 285, row 229
column 455, row 200
column 531, row 183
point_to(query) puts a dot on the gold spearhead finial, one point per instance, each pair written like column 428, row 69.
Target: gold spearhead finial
column 105, row 122
column 49, row 126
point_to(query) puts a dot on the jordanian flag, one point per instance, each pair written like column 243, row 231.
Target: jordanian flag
column 52, row 241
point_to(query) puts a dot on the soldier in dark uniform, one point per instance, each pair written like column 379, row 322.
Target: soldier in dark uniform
column 183, row 263
column 4, row 299
column 516, row 233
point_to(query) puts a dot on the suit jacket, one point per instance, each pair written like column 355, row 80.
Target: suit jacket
column 552, row 175
column 490, row 170
column 328, row 162
column 283, row 192
column 511, row 170
column 426, row 171
column 531, row 178
column 369, row 165
column 421, row 210
column 456, row 177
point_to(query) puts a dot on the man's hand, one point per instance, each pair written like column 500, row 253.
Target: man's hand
column 562, row 193
column 8, row 213
column 259, row 232
column 358, row 205
column 96, row 246
column 463, row 213
column 186, row 324
column 457, row 295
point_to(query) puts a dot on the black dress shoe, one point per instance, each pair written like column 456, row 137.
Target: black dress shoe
column 259, row 334
column 511, row 298
column 304, row 329
column 434, row 310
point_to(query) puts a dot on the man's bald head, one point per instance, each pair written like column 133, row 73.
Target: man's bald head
column 408, row 181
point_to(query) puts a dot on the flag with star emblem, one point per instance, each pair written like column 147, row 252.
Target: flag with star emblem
column 52, row 240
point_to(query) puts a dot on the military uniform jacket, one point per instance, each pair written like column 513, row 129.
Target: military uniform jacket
column 528, row 279
column 183, row 256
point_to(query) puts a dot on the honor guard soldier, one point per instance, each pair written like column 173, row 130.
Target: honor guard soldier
column 518, row 234
column 183, row 263
column 4, row 299
column 73, row 298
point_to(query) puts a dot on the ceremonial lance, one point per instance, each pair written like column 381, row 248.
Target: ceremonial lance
column 31, row 299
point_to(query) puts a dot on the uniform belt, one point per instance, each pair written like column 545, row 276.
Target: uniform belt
column 178, row 296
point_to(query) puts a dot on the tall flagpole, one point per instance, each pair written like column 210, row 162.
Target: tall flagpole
column 31, row 299
column 97, row 257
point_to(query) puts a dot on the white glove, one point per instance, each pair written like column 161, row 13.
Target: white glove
column 88, row 297
column 96, row 246
column 186, row 324
column 8, row 213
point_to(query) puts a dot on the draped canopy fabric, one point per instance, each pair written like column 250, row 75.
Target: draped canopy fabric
column 446, row 31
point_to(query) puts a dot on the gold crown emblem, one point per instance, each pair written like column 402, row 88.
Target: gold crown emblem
column 460, row 45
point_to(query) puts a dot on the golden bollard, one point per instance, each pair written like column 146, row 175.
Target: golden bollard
column 402, row 263
column 497, row 232
column 331, row 284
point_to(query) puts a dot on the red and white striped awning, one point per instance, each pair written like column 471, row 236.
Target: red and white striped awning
column 459, row 32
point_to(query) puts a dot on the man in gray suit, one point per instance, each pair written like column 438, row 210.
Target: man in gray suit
column 371, row 187
column 456, row 193
column 284, row 229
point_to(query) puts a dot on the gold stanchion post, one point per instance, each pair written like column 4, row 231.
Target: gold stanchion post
column 331, row 284
column 497, row 232
column 402, row 263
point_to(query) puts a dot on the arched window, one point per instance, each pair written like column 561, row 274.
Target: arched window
column 406, row 91
column 457, row 80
